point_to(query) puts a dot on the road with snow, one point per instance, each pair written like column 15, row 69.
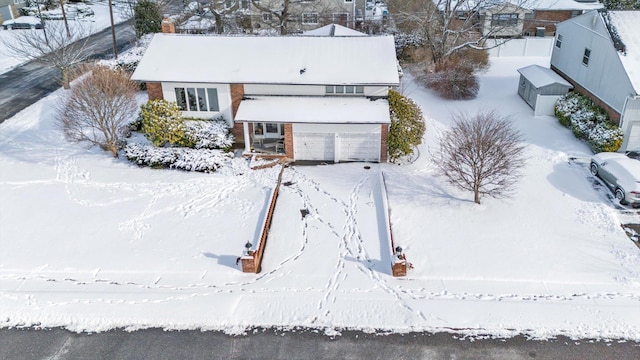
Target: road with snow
column 28, row 83
column 158, row 344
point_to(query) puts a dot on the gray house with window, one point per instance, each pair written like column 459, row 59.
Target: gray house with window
column 599, row 54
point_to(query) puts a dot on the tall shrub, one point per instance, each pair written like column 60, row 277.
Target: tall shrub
column 407, row 126
column 163, row 124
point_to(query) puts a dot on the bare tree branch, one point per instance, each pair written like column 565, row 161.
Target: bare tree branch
column 482, row 154
column 99, row 107
column 57, row 49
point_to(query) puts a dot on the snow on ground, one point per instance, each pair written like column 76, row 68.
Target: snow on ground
column 91, row 243
column 96, row 23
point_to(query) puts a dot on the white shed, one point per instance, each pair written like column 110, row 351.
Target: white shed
column 540, row 87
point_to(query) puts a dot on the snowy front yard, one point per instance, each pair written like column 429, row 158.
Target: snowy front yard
column 91, row 243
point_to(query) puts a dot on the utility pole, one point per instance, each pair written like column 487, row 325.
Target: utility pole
column 113, row 30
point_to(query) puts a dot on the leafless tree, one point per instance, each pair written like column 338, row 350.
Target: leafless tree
column 448, row 26
column 57, row 49
column 482, row 153
column 287, row 16
column 99, row 107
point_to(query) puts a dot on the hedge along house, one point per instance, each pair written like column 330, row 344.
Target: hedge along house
column 599, row 54
column 540, row 87
column 324, row 98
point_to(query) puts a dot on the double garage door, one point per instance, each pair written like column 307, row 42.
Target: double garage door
column 343, row 142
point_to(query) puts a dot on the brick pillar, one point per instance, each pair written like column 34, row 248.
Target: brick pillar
column 384, row 145
column 154, row 91
column 237, row 92
column 288, row 140
column 238, row 133
column 168, row 26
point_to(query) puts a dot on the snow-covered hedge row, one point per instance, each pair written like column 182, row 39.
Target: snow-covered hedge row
column 404, row 41
column 209, row 134
column 588, row 122
column 202, row 160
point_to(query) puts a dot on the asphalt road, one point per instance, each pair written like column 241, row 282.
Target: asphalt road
column 158, row 344
column 26, row 84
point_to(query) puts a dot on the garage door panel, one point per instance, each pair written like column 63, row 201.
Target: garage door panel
column 314, row 146
column 634, row 137
column 359, row 147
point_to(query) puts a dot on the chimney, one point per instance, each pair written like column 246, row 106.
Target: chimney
column 168, row 27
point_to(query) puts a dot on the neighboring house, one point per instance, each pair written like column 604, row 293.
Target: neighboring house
column 9, row 9
column 599, row 54
column 325, row 97
column 307, row 15
column 531, row 18
column 543, row 15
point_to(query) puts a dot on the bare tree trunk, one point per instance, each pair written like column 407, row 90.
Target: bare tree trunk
column 65, row 78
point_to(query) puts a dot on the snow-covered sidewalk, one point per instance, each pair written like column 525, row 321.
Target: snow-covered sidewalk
column 92, row 243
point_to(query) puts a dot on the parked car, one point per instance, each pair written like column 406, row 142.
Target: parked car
column 621, row 173
column 23, row 22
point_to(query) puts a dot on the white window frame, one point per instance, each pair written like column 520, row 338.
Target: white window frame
column 585, row 56
column 505, row 19
column 312, row 15
column 207, row 99
column 341, row 90
column 267, row 17
column 559, row 41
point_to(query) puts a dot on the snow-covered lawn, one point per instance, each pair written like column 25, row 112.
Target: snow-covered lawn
column 97, row 22
column 90, row 243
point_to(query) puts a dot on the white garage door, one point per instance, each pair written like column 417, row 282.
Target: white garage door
column 336, row 142
column 314, row 146
column 633, row 143
column 358, row 147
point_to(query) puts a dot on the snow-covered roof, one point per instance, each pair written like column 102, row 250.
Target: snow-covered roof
column 540, row 76
column 312, row 60
column 314, row 109
column 564, row 5
column 627, row 24
column 333, row 30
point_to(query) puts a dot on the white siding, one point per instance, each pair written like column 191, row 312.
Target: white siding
column 224, row 99
column 312, row 90
column 604, row 76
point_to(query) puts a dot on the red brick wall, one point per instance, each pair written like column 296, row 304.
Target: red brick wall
column 384, row 137
column 237, row 92
column 613, row 114
column 288, row 140
column 154, row 90
column 547, row 19
column 168, row 26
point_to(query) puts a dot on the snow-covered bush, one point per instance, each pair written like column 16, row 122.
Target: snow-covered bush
column 202, row 160
column 209, row 133
column 588, row 122
column 406, row 41
column 163, row 124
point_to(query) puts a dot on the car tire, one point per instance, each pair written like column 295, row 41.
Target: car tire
column 620, row 196
column 594, row 169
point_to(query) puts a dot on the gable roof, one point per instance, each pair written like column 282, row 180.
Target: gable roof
column 333, row 30
column 540, row 76
column 298, row 60
column 627, row 25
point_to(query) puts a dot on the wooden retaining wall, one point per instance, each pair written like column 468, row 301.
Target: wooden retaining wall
column 399, row 263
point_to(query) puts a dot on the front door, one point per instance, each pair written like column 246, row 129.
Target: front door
column 268, row 130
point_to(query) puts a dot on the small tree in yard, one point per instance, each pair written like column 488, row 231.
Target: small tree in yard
column 60, row 49
column 99, row 107
column 163, row 124
column 407, row 126
column 482, row 153
column 148, row 18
